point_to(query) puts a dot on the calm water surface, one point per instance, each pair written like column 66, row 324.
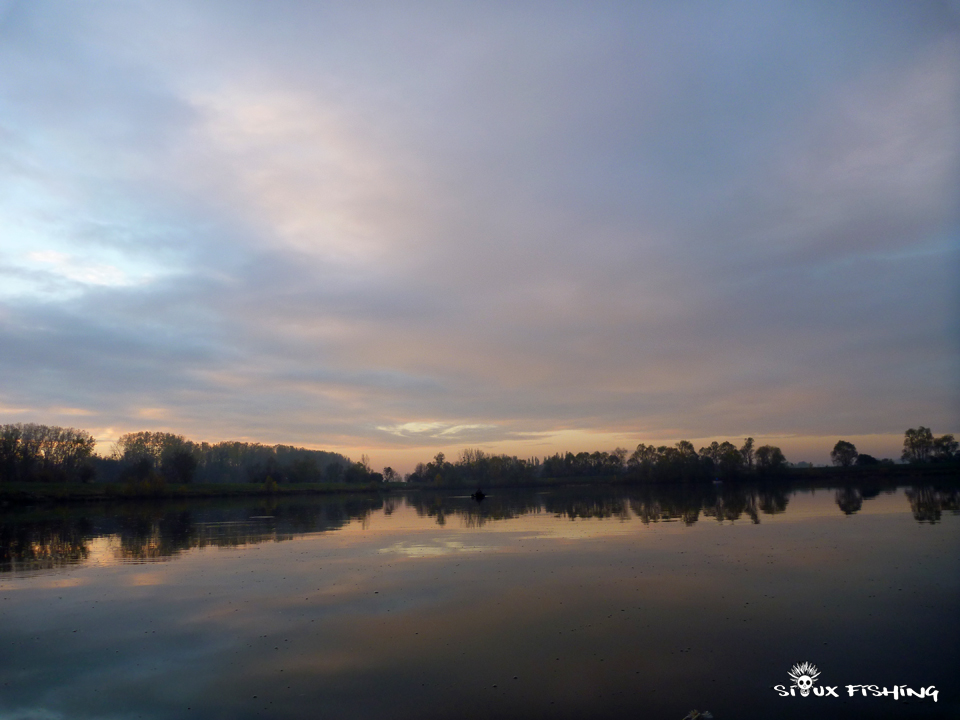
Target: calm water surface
column 564, row 604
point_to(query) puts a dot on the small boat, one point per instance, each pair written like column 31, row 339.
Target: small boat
column 478, row 495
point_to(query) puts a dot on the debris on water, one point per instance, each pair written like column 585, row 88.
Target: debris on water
column 695, row 715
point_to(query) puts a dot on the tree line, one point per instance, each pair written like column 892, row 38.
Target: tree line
column 648, row 463
column 680, row 462
column 920, row 446
column 30, row 452
column 41, row 453
column 165, row 457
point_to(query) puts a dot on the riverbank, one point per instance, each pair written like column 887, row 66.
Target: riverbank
column 15, row 493
column 807, row 477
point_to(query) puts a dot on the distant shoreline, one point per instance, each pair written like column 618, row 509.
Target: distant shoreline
column 26, row 492
column 30, row 492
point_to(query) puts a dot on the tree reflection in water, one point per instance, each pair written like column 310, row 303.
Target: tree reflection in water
column 849, row 500
column 928, row 502
column 32, row 539
column 43, row 544
column 504, row 505
column 661, row 503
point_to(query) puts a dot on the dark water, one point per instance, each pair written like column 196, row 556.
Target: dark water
column 643, row 603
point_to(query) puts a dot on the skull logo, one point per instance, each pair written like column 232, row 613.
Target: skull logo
column 804, row 675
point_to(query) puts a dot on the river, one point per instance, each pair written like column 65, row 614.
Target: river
column 567, row 603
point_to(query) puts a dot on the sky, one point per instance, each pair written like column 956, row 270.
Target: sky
column 402, row 228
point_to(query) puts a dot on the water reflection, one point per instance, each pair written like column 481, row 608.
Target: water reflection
column 928, row 503
column 43, row 543
column 849, row 500
column 32, row 539
column 551, row 603
column 505, row 506
column 649, row 504
column 46, row 539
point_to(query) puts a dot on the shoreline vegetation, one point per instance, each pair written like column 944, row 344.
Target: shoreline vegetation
column 38, row 536
column 49, row 463
column 793, row 478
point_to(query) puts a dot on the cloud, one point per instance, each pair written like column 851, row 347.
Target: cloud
column 366, row 227
column 84, row 273
column 445, row 432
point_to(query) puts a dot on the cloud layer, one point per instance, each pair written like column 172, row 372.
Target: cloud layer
column 400, row 229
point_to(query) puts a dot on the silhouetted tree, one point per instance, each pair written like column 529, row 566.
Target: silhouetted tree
column 747, row 452
column 770, row 459
column 32, row 452
column 945, row 448
column 170, row 456
column 844, row 453
column 917, row 445
column 390, row 475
